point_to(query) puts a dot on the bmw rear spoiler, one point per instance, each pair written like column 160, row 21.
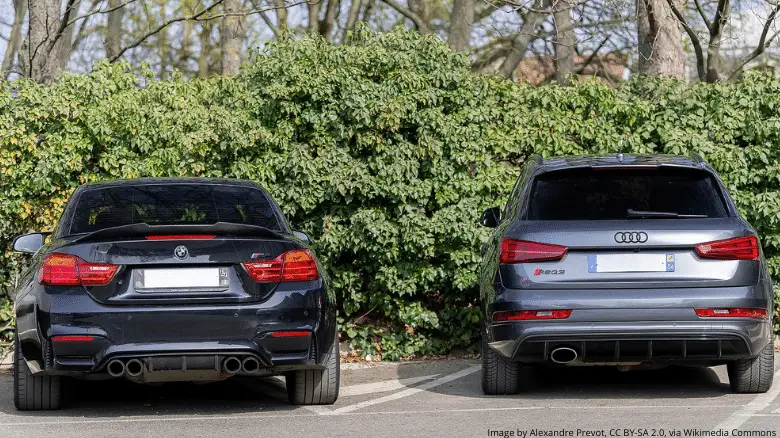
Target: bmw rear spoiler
column 144, row 229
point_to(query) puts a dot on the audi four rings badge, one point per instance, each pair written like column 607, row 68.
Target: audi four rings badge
column 631, row 237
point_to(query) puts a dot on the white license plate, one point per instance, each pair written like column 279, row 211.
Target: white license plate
column 181, row 278
column 631, row 263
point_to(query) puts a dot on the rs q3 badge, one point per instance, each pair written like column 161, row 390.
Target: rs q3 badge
column 539, row 271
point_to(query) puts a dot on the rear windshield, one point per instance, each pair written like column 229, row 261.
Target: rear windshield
column 588, row 194
column 172, row 204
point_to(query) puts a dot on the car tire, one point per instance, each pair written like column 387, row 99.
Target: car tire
column 316, row 387
column 499, row 376
column 34, row 392
column 753, row 375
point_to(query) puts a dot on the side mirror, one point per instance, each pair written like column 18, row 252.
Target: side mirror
column 491, row 217
column 303, row 236
column 29, row 243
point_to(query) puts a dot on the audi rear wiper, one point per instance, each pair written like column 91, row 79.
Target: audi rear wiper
column 636, row 214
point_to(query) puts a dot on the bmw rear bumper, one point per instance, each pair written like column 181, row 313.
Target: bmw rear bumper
column 187, row 337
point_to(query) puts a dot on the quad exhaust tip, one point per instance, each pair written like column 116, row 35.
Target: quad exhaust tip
column 250, row 365
column 134, row 367
column 116, row 368
column 563, row 355
column 231, row 365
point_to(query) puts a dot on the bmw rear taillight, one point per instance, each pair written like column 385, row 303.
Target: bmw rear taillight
column 69, row 270
column 295, row 265
column 733, row 312
column 522, row 251
column 527, row 315
column 738, row 248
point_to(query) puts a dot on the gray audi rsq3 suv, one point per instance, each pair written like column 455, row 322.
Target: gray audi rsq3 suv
column 623, row 260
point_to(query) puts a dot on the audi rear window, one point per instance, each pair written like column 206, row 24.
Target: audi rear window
column 593, row 194
column 172, row 204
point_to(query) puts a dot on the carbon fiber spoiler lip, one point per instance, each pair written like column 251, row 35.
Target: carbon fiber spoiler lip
column 144, row 229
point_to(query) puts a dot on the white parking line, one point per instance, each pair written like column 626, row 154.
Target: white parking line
column 406, row 393
column 383, row 386
column 761, row 402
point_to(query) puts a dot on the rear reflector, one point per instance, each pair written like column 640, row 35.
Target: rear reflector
column 295, row 265
column 290, row 334
column 69, row 270
column 738, row 248
column 736, row 312
column 180, row 236
column 524, row 315
column 73, row 339
column 521, row 251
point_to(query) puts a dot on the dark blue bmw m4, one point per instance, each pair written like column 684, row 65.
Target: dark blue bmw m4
column 159, row 280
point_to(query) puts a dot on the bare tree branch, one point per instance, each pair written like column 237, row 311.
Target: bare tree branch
column 418, row 21
column 763, row 42
column 703, row 14
column 199, row 16
column 162, row 26
column 100, row 11
column 700, row 61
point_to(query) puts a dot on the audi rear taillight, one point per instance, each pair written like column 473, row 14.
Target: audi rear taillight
column 734, row 312
column 69, row 270
column 526, row 315
column 295, row 265
column 522, row 251
column 738, row 248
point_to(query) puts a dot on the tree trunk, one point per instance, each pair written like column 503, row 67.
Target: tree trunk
column 565, row 41
column 369, row 9
column 527, row 33
column 722, row 15
column 114, row 29
column 352, row 17
column 314, row 17
column 206, row 49
column 66, row 44
column 461, row 25
column 15, row 40
column 331, row 15
column 661, row 50
column 281, row 16
column 232, row 38
column 43, row 25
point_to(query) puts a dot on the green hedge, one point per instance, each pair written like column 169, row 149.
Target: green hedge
column 385, row 150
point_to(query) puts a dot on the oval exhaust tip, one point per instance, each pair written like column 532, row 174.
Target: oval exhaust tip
column 563, row 355
column 134, row 367
column 231, row 365
column 116, row 368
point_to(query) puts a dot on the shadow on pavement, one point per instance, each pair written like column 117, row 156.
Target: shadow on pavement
column 599, row 382
column 123, row 398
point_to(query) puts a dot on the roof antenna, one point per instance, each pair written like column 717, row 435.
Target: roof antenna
column 620, row 150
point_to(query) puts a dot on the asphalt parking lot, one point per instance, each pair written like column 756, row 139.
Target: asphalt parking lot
column 440, row 398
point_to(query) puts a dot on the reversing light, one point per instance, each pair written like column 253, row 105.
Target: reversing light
column 734, row 312
column 295, row 265
column 68, row 270
column 522, row 251
column 738, row 248
column 525, row 315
